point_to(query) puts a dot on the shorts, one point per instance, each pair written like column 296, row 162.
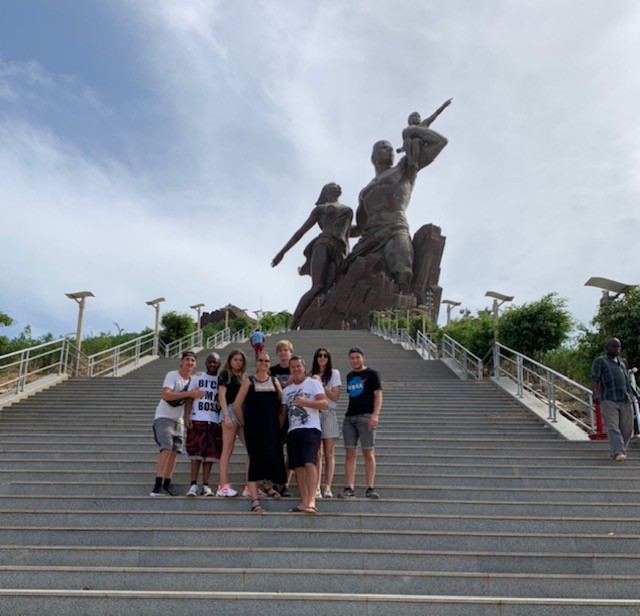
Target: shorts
column 258, row 347
column 329, row 424
column 169, row 434
column 302, row 447
column 232, row 415
column 356, row 427
column 204, row 441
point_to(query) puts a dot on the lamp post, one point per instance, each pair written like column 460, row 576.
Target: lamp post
column 198, row 308
column 80, row 298
column 498, row 300
column 450, row 305
column 155, row 303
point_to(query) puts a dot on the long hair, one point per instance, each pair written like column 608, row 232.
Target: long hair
column 228, row 367
column 315, row 368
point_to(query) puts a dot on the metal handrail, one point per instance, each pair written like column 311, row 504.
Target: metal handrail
column 111, row 361
column 186, row 343
column 240, row 336
column 219, row 339
column 21, row 368
column 470, row 365
column 425, row 345
column 560, row 393
column 405, row 339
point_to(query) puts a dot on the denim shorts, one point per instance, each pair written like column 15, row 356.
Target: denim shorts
column 357, row 427
column 232, row 415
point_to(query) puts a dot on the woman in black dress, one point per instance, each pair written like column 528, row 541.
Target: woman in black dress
column 262, row 418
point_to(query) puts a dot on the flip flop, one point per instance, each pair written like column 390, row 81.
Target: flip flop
column 311, row 510
column 297, row 510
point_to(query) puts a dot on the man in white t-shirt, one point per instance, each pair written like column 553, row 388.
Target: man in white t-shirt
column 303, row 398
column 168, row 425
column 202, row 420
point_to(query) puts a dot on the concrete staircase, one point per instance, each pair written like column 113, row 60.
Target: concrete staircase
column 484, row 510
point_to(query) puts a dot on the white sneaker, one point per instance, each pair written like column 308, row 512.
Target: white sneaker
column 327, row 494
column 193, row 490
column 226, row 490
column 318, row 493
column 206, row 491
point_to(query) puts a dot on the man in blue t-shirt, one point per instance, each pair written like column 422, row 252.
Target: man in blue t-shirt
column 360, row 423
column 257, row 342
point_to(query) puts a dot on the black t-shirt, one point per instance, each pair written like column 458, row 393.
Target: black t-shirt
column 282, row 374
column 360, row 387
column 232, row 383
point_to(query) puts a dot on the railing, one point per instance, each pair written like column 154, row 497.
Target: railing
column 561, row 394
column 425, row 346
column 405, row 339
column 20, row 368
column 111, row 361
column 470, row 365
column 186, row 343
column 219, row 339
column 239, row 337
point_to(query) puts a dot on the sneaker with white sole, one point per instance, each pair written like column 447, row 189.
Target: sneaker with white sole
column 318, row 493
column 327, row 493
column 371, row 493
column 193, row 490
column 227, row 491
column 245, row 492
column 156, row 492
column 206, row 491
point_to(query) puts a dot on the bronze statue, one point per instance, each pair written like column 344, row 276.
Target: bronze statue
column 325, row 255
column 380, row 217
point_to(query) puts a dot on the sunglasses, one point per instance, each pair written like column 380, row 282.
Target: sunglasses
column 323, row 355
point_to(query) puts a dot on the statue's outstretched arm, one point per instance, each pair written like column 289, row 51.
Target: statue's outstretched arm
column 436, row 113
column 295, row 238
column 434, row 143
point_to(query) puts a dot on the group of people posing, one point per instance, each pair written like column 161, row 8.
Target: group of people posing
column 279, row 407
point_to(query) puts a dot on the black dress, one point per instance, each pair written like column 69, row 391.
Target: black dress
column 262, row 431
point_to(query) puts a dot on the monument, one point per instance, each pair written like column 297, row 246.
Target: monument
column 387, row 268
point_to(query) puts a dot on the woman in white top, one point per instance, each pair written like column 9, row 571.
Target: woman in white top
column 322, row 371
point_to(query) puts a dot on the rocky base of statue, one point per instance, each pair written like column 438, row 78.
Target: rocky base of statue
column 366, row 287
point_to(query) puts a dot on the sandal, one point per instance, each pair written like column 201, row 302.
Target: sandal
column 311, row 510
column 257, row 508
column 273, row 494
column 296, row 510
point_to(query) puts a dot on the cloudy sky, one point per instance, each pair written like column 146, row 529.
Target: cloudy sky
column 171, row 147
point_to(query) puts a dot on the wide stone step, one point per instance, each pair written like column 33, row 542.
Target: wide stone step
column 406, row 506
column 320, row 580
column 310, row 537
column 333, row 557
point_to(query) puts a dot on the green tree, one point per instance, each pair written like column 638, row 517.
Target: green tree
column 536, row 327
column 473, row 333
column 175, row 326
column 620, row 318
column 5, row 320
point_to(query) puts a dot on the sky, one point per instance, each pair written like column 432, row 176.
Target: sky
column 170, row 148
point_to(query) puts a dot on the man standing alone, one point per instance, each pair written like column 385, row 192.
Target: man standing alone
column 612, row 389
column 360, row 422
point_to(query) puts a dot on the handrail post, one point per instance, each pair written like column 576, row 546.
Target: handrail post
column 550, row 398
column 519, row 376
column 496, row 362
column 464, row 365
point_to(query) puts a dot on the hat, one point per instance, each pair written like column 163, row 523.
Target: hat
column 356, row 350
column 188, row 354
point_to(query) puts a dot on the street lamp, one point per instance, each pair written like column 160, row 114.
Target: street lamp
column 498, row 300
column 606, row 285
column 155, row 303
column 450, row 305
column 80, row 297
column 197, row 308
